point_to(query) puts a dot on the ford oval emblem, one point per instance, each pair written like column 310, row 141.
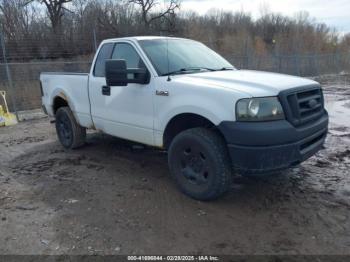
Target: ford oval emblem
column 312, row 103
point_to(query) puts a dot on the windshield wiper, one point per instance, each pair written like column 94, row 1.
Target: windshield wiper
column 187, row 70
column 225, row 68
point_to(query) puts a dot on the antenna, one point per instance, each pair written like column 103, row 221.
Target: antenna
column 168, row 61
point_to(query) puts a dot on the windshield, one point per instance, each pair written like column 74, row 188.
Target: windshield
column 185, row 56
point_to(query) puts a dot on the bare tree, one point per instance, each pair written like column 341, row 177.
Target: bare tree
column 148, row 6
column 15, row 19
column 55, row 9
column 29, row 30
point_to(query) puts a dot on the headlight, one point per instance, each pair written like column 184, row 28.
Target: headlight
column 259, row 109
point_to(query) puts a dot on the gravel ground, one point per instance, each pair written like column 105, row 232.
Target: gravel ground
column 112, row 197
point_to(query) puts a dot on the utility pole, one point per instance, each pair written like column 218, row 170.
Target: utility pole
column 8, row 72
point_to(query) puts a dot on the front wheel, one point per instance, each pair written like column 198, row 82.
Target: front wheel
column 199, row 162
column 69, row 132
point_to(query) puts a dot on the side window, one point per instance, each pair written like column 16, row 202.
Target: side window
column 127, row 52
column 104, row 54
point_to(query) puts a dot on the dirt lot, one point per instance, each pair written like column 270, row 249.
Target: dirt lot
column 112, row 197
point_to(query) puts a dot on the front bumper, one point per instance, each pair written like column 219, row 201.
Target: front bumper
column 264, row 147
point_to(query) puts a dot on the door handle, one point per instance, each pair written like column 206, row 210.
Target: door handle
column 162, row 93
column 106, row 90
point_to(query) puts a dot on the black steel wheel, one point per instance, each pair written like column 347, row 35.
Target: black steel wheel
column 199, row 162
column 69, row 132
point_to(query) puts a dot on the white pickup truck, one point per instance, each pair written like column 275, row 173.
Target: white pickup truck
column 179, row 95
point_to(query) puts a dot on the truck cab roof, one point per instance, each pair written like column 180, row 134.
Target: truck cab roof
column 139, row 38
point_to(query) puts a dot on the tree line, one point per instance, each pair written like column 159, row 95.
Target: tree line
column 51, row 29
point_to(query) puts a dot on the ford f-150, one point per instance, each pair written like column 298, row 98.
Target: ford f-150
column 179, row 95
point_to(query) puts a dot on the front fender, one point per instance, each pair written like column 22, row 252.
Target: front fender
column 213, row 104
column 185, row 109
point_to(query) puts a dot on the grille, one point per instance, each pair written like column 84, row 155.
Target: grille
column 302, row 105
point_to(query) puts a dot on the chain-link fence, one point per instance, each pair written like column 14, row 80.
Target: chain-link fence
column 299, row 65
column 24, row 89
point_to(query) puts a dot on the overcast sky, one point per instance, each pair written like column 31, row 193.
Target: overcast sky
column 335, row 13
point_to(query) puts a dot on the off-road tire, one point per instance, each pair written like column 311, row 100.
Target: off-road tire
column 69, row 132
column 200, row 164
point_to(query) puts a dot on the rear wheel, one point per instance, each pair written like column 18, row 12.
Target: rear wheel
column 69, row 132
column 200, row 164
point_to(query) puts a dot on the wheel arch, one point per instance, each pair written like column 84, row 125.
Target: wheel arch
column 60, row 99
column 182, row 122
column 58, row 102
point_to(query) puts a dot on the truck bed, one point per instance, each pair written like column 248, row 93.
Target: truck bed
column 73, row 87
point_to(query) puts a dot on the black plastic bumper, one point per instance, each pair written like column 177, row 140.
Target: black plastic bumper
column 263, row 147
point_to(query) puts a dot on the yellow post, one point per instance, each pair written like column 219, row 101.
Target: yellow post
column 3, row 94
column 2, row 116
column 6, row 117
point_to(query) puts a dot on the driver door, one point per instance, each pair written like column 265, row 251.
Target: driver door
column 127, row 112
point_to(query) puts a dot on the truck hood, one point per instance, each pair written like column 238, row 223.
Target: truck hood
column 253, row 83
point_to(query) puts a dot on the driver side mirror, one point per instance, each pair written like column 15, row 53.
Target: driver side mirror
column 117, row 74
